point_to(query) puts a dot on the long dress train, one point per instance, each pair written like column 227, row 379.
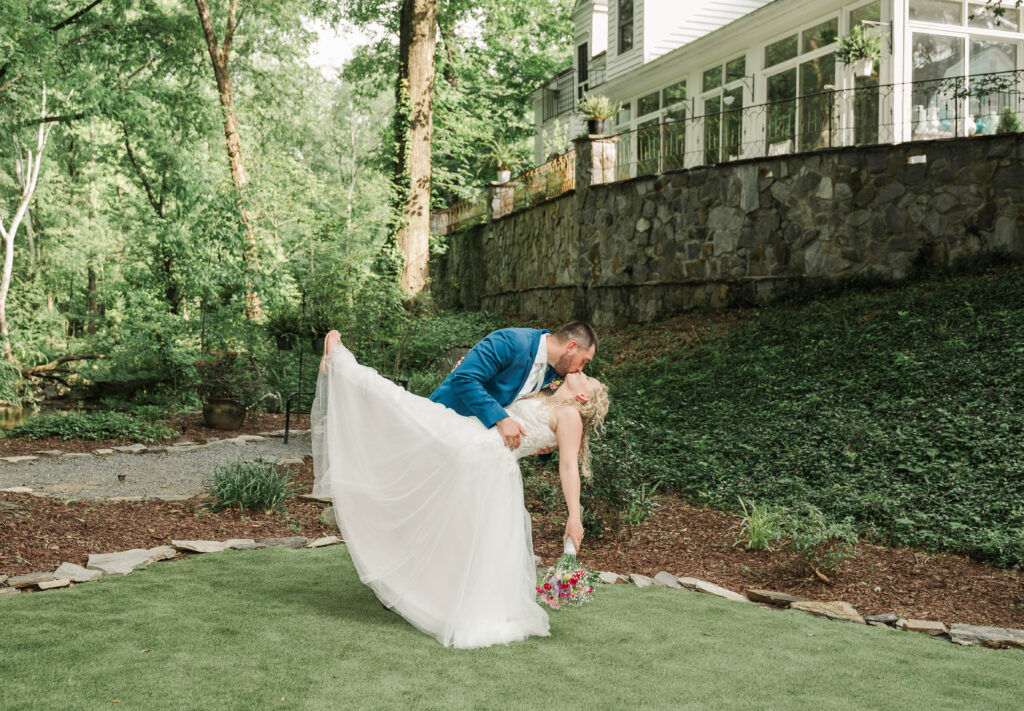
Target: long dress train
column 430, row 504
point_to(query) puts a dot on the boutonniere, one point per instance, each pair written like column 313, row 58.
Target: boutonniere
column 555, row 384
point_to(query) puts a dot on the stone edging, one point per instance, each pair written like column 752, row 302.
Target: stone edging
column 961, row 634
column 137, row 448
column 102, row 565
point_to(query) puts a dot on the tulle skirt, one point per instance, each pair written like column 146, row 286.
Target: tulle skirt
column 430, row 504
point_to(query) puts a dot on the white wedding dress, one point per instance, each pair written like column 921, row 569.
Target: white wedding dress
column 430, row 504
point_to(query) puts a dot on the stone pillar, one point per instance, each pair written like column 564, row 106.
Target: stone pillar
column 595, row 160
column 499, row 199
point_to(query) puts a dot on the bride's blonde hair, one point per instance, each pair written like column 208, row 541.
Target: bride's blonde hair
column 593, row 412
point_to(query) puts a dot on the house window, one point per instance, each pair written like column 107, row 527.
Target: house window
column 582, row 57
column 871, row 12
column 625, row 25
column 723, row 110
column 867, row 102
column 801, row 97
column 943, row 12
column 674, row 94
column 648, row 104
column 981, row 16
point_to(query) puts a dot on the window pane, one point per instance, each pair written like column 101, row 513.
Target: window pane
column 582, row 57
column 712, row 129
column 990, row 91
column 937, row 62
column 982, row 16
column 736, row 69
column 713, row 78
column 866, row 105
column 944, row 11
column 732, row 123
column 820, row 36
column 675, row 93
column 674, row 137
column 625, row 25
column 780, row 51
column 647, row 104
column 871, row 11
column 648, row 143
column 781, row 111
column 624, row 116
column 817, row 77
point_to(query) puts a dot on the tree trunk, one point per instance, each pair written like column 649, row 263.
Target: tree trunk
column 220, row 56
column 414, row 101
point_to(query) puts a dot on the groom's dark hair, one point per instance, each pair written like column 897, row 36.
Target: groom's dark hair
column 579, row 331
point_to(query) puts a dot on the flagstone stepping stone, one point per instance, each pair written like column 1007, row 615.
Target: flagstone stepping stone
column 231, row 542
column 102, row 452
column 18, row 460
column 18, row 490
column 49, row 452
column 289, row 542
column 184, row 448
column 131, row 448
column 641, row 581
column 771, row 597
column 155, row 450
column 325, row 541
column 248, row 546
column 932, row 628
column 125, row 562
column 250, row 438
column 9, row 591
column 667, row 580
column 275, row 433
column 50, row 585
column 887, row 619
column 290, row 462
column 200, row 546
column 978, row 636
column 711, row 589
column 612, row 578
column 836, row 610
column 30, row 580
column 78, row 455
column 3, row 579
column 76, row 573
column 321, row 499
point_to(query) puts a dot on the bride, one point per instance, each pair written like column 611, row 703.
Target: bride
column 430, row 502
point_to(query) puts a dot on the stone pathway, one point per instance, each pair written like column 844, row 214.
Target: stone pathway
column 140, row 471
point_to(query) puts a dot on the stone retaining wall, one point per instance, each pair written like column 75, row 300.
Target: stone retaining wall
column 745, row 232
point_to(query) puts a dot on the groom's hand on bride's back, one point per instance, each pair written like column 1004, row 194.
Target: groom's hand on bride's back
column 511, row 432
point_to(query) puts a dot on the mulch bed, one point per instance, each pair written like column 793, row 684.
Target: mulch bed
column 42, row 532
column 189, row 426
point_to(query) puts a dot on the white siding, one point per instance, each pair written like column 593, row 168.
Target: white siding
column 621, row 63
column 672, row 23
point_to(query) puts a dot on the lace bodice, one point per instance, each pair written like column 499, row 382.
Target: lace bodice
column 532, row 413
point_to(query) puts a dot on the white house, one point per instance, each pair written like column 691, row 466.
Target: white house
column 705, row 81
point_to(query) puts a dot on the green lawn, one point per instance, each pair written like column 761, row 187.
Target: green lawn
column 283, row 629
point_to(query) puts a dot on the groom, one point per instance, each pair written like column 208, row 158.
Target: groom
column 513, row 363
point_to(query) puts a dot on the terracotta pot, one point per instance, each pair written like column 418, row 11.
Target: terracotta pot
column 223, row 413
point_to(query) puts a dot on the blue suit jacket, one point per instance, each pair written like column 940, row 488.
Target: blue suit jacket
column 492, row 374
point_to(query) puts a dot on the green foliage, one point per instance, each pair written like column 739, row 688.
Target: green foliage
column 1008, row 121
column 92, row 425
column 250, row 486
column 597, row 107
column 860, row 43
column 231, row 374
column 821, row 547
column 761, row 526
column 900, row 409
column 504, row 156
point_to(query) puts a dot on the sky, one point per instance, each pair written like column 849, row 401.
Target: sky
column 335, row 46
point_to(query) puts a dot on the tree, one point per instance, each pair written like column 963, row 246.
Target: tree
column 27, row 171
column 220, row 56
column 414, row 128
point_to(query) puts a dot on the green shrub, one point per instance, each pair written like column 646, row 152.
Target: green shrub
column 761, row 526
column 822, row 547
column 250, row 486
column 1008, row 122
column 92, row 425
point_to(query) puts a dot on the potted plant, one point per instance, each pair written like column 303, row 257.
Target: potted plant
column 506, row 158
column 319, row 320
column 595, row 108
column 229, row 383
column 861, row 48
column 1008, row 122
column 285, row 324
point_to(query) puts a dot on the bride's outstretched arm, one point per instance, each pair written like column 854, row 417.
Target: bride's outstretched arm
column 568, row 427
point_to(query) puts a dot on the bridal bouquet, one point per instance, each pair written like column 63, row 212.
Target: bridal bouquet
column 567, row 583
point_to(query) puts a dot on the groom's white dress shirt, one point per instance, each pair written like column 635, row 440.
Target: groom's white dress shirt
column 540, row 366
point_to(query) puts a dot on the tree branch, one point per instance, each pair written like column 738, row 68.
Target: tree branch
column 229, row 33
column 208, row 32
column 156, row 204
column 54, row 119
column 48, row 369
column 74, row 18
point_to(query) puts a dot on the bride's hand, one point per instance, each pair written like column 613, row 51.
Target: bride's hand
column 574, row 530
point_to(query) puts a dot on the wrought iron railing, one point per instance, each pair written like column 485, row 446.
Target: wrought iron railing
column 546, row 181
column 864, row 115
